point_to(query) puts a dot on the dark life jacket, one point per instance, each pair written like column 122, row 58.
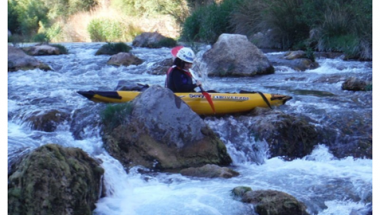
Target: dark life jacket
column 179, row 80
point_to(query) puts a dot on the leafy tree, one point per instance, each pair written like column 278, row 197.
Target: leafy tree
column 13, row 23
column 27, row 17
column 176, row 8
column 30, row 13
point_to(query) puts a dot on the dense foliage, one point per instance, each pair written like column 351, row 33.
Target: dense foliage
column 29, row 17
column 318, row 25
column 177, row 8
column 322, row 25
column 207, row 22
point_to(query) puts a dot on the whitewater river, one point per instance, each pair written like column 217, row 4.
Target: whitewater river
column 327, row 185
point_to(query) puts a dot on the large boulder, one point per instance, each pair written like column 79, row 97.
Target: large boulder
column 270, row 201
column 54, row 180
column 162, row 132
column 19, row 60
column 234, row 55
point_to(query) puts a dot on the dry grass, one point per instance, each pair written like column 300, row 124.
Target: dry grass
column 75, row 28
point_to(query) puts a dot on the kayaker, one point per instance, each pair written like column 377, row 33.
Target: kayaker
column 178, row 77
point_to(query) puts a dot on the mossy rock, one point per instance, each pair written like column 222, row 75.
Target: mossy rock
column 54, row 180
column 113, row 48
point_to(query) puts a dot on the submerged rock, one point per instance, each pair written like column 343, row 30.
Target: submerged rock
column 210, row 171
column 355, row 84
column 297, row 60
column 47, row 121
column 270, row 202
column 161, row 67
column 54, row 180
column 287, row 136
column 162, row 132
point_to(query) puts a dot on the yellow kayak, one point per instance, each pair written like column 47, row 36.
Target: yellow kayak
column 225, row 103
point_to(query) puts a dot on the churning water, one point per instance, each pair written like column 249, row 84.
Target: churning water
column 327, row 185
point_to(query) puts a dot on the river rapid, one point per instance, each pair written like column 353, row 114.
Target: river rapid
column 327, row 185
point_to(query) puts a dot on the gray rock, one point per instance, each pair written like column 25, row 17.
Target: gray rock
column 42, row 50
column 355, row 84
column 270, row 201
column 124, row 59
column 162, row 132
column 160, row 68
column 19, row 60
column 234, row 55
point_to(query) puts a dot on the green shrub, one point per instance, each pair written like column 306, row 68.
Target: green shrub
column 102, row 30
column 166, row 42
column 346, row 27
column 13, row 21
column 138, row 8
column 281, row 17
column 113, row 48
column 115, row 114
column 192, row 25
column 62, row 49
column 41, row 37
column 208, row 22
column 323, row 25
column 108, row 30
column 54, row 32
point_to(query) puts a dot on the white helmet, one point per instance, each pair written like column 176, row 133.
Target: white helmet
column 186, row 54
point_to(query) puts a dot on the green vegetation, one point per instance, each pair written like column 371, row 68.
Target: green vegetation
column 113, row 48
column 62, row 49
column 320, row 25
column 206, row 23
column 115, row 114
column 30, row 17
column 314, row 25
column 104, row 30
column 176, row 8
column 111, row 30
column 166, row 42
